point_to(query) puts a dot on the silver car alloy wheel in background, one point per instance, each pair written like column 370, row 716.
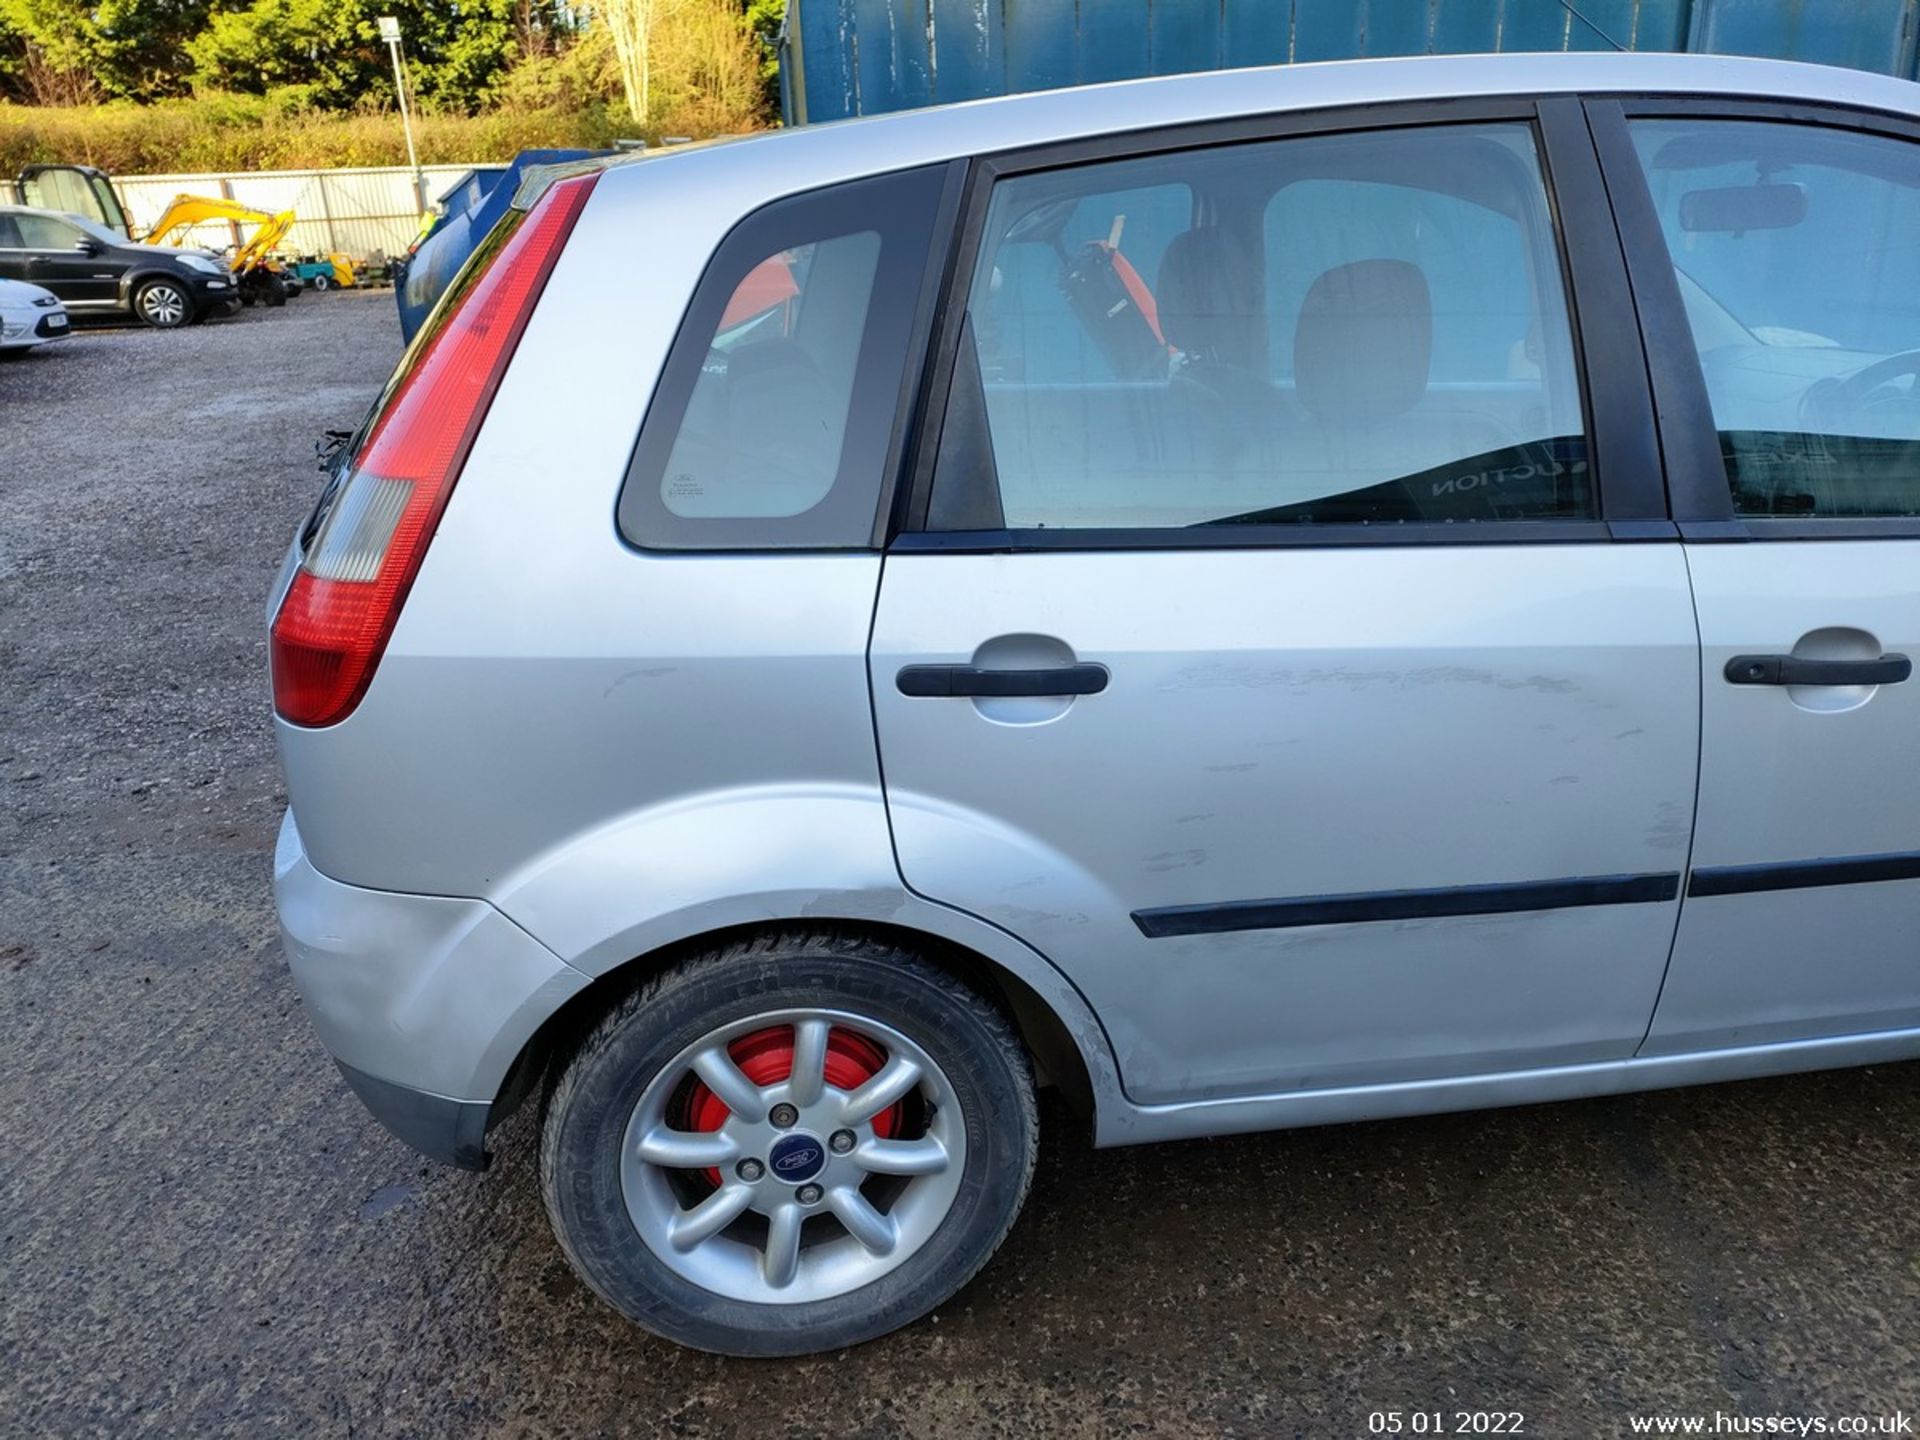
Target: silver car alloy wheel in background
column 814, row 1198
column 163, row 305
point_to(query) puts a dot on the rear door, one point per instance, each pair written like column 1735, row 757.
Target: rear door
column 63, row 258
column 1775, row 259
column 1290, row 643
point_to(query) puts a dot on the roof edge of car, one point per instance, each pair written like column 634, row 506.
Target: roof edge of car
column 535, row 179
column 990, row 124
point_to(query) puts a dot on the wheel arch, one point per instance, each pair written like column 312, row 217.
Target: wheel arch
column 136, row 280
column 138, row 277
column 1070, row 1053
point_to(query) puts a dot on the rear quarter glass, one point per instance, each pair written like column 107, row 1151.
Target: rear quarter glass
column 908, row 214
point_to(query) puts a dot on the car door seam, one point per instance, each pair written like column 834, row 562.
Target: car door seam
column 1699, row 766
column 900, row 870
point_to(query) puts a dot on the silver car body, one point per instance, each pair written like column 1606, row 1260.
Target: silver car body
column 577, row 756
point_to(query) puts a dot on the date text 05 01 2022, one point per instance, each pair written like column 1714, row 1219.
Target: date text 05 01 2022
column 1446, row 1422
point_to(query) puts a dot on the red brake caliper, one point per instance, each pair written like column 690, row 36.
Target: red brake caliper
column 766, row 1058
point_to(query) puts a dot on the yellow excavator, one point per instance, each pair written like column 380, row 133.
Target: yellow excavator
column 260, row 276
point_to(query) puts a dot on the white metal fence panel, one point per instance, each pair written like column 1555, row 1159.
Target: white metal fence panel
column 360, row 212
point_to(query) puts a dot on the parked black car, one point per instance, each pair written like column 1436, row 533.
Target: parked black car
column 96, row 272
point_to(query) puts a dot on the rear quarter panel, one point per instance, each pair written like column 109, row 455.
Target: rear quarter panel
column 545, row 680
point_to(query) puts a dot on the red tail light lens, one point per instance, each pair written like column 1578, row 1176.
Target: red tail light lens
column 334, row 623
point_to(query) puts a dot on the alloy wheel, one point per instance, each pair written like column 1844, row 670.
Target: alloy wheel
column 793, row 1156
column 162, row 305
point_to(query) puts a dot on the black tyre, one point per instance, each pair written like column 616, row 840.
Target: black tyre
column 793, row 1144
column 163, row 304
column 322, row 283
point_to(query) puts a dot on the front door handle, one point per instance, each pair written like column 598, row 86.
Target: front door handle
column 974, row 680
column 1798, row 670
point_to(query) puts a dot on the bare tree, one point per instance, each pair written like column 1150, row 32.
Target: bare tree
column 705, row 74
column 533, row 36
column 631, row 23
column 48, row 82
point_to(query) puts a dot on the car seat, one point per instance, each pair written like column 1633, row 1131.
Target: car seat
column 1362, row 359
column 1209, row 296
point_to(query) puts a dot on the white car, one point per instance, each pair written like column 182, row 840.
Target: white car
column 30, row 316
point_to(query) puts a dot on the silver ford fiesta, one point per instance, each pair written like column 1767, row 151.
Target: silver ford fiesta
column 1255, row 599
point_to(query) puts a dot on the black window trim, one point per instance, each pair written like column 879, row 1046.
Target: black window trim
column 1701, row 497
column 1609, row 360
column 641, row 520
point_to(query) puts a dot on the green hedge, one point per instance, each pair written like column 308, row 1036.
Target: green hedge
column 234, row 132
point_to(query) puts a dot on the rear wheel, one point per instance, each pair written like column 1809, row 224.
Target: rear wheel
column 322, row 283
column 790, row 1145
column 163, row 304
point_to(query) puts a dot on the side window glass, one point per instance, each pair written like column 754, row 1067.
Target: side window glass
column 773, row 420
column 1069, row 297
column 762, row 434
column 9, row 234
column 1352, row 329
column 1794, row 250
column 1475, row 260
column 43, row 232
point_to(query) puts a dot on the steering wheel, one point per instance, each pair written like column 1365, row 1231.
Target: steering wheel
column 1836, row 399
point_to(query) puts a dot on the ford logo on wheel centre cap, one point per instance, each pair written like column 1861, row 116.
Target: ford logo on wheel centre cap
column 797, row 1158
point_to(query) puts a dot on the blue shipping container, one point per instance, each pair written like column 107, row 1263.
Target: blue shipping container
column 862, row 57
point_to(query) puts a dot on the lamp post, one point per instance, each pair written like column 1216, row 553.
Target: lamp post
column 390, row 32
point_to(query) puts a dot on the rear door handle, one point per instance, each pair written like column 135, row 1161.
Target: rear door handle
column 973, row 680
column 1798, row 670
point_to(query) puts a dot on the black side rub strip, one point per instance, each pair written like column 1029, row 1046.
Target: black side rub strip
column 1804, row 874
column 1406, row 904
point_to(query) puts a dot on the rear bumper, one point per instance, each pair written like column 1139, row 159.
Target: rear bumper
column 425, row 1001
column 454, row 1132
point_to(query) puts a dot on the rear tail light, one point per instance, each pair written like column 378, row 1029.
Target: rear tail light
column 366, row 549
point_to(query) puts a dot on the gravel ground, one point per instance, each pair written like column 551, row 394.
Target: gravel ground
column 202, row 1233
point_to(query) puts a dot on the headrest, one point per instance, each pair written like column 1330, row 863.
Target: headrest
column 776, row 399
column 1364, row 344
column 1208, row 296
